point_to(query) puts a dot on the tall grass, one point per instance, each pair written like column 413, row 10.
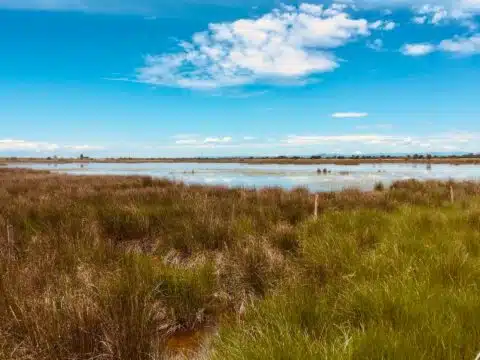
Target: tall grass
column 373, row 286
column 138, row 268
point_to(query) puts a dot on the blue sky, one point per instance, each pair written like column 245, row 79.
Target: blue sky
column 225, row 77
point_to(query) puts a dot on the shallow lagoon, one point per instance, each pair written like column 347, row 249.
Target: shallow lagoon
column 338, row 177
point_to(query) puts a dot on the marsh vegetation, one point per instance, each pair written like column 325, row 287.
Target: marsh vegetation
column 136, row 268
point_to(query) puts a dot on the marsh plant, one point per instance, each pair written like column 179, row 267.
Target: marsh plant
column 139, row 268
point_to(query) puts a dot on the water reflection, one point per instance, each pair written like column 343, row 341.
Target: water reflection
column 326, row 178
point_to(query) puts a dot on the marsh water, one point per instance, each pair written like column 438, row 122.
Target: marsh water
column 314, row 177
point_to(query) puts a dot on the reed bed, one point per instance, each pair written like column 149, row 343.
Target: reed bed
column 141, row 268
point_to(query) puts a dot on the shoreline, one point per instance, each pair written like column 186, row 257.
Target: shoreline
column 249, row 161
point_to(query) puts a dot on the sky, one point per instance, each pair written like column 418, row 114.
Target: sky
column 183, row 78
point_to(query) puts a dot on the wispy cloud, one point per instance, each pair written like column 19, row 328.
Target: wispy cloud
column 312, row 143
column 285, row 44
column 216, row 140
column 8, row 145
column 292, row 144
column 198, row 140
column 12, row 145
column 83, row 147
column 437, row 142
column 351, row 115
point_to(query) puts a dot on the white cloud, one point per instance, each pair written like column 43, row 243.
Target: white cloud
column 248, row 138
column 457, row 45
column 459, row 11
column 434, row 142
column 22, row 145
column 216, row 140
column 33, row 146
column 433, row 14
column 462, row 45
column 417, row 49
column 346, row 143
column 287, row 43
column 198, row 141
column 419, row 20
column 383, row 25
column 346, row 115
column 390, row 26
column 83, row 147
column 312, row 9
column 186, row 142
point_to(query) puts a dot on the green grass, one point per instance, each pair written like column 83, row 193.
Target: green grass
column 124, row 267
column 403, row 285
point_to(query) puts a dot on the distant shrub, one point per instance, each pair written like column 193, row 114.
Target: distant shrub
column 379, row 186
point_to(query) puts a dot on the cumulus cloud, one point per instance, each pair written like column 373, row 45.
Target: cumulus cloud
column 469, row 45
column 346, row 115
column 417, row 49
column 390, row 25
column 419, row 19
column 383, row 25
column 462, row 45
column 460, row 11
column 287, row 43
column 433, row 14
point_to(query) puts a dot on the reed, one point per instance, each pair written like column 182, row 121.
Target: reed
column 142, row 268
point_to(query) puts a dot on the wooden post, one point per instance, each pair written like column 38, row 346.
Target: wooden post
column 10, row 234
column 315, row 211
column 10, row 240
column 452, row 195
